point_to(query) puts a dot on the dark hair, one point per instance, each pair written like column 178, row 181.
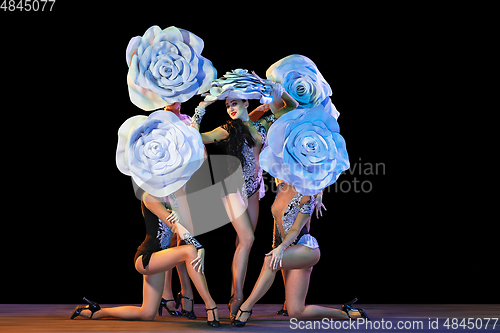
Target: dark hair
column 238, row 133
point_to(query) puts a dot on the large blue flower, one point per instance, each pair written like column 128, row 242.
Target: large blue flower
column 306, row 150
column 302, row 80
column 160, row 152
column 166, row 66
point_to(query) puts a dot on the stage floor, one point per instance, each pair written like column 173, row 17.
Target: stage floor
column 409, row 317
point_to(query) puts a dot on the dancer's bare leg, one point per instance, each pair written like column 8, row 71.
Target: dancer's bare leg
column 241, row 222
column 154, row 277
column 188, row 255
column 253, row 215
column 295, row 257
column 297, row 284
column 152, row 290
column 167, row 289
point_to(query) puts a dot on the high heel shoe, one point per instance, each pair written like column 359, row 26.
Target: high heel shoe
column 188, row 314
column 348, row 307
column 215, row 322
column 92, row 306
column 239, row 323
column 163, row 304
column 282, row 312
column 234, row 303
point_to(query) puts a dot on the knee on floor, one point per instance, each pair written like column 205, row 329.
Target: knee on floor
column 147, row 315
column 295, row 311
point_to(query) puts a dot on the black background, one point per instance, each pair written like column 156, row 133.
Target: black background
column 71, row 221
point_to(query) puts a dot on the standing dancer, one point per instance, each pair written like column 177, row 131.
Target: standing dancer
column 245, row 139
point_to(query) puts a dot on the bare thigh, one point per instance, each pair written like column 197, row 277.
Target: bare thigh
column 300, row 256
column 235, row 205
column 240, row 220
column 164, row 260
column 253, row 209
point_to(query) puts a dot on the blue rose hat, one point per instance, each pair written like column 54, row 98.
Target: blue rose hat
column 165, row 67
column 239, row 84
column 159, row 152
column 302, row 80
column 306, row 150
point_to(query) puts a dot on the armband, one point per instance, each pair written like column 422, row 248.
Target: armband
column 199, row 112
column 190, row 240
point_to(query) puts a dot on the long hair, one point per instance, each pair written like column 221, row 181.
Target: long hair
column 238, row 133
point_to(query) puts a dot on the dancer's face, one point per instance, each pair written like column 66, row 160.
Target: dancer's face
column 236, row 108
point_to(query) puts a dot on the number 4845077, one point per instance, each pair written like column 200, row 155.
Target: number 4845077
column 27, row 5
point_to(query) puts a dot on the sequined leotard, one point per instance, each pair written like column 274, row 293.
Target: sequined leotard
column 289, row 217
column 251, row 169
column 158, row 236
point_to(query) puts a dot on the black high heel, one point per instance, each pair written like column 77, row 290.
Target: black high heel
column 239, row 323
column 282, row 312
column 188, row 314
column 163, row 304
column 92, row 306
column 348, row 307
column 215, row 322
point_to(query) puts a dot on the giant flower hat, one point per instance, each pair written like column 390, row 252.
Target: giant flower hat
column 159, row 152
column 306, row 150
column 302, row 80
column 165, row 67
column 239, row 84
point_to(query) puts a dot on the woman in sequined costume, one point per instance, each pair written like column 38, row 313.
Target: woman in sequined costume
column 245, row 139
column 294, row 252
column 166, row 218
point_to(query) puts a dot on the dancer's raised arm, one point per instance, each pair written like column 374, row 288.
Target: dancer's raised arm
column 217, row 134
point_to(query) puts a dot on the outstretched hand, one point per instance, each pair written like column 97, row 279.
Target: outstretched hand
column 318, row 205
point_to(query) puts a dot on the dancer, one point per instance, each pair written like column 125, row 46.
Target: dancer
column 152, row 259
column 245, row 139
column 307, row 152
column 142, row 153
column 318, row 199
column 294, row 252
column 148, row 151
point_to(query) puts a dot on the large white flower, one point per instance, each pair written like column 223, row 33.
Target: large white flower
column 306, row 150
column 160, row 152
column 302, row 80
column 166, row 66
column 239, row 84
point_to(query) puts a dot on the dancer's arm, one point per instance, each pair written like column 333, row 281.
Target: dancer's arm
column 171, row 219
column 280, row 107
column 217, row 134
column 287, row 104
